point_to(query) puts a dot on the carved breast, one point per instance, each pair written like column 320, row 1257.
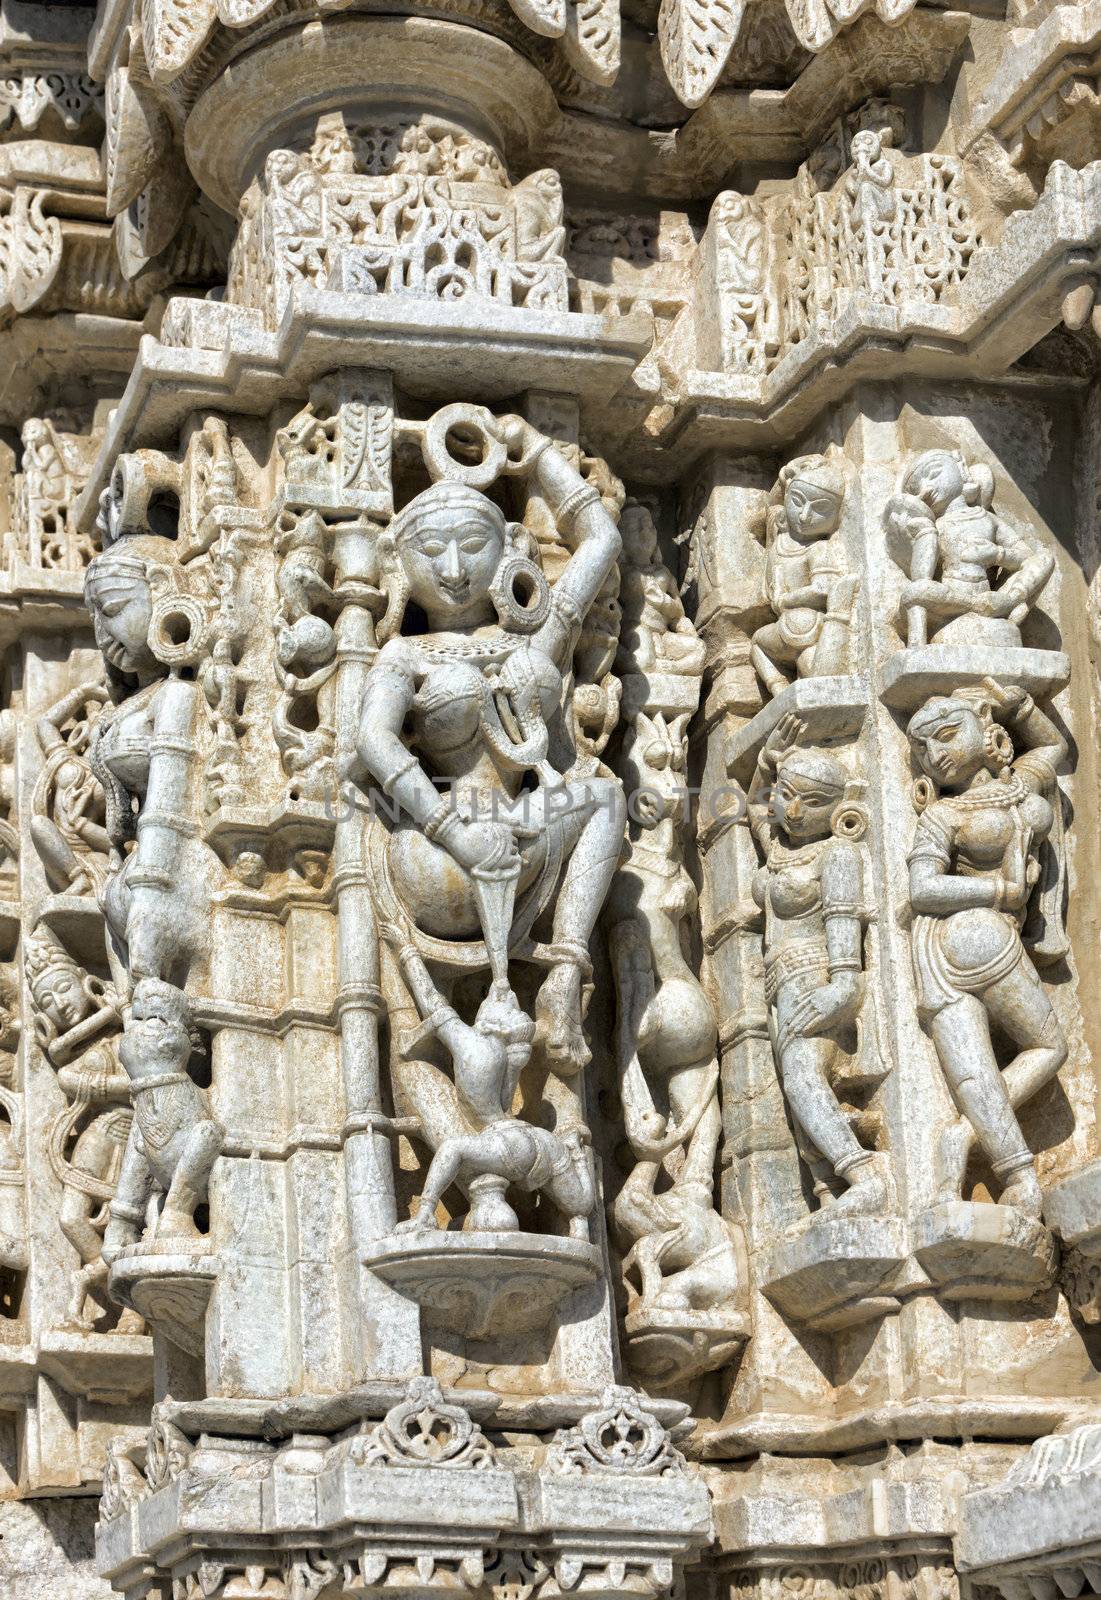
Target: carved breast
column 447, row 711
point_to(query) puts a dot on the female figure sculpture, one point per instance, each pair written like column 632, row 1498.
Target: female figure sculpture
column 806, row 580
column 87, row 1139
column 141, row 753
column 973, row 867
column 950, row 541
column 482, row 688
column 811, row 890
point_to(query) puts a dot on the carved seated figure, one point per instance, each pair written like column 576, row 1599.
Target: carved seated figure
column 973, row 868
column 806, row 580
column 811, row 890
column 174, row 1140
column 88, row 1138
column 498, row 1149
column 944, row 533
column 657, row 636
column 477, row 700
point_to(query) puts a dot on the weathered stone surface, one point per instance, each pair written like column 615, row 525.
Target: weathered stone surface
column 549, row 805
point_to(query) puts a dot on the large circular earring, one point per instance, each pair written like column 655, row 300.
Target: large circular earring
column 849, row 820
column 999, row 746
column 521, row 594
column 178, row 631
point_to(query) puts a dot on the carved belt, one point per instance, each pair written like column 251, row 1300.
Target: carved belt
column 794, row 961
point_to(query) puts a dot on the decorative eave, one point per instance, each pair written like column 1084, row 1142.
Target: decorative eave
column 740, row 127
column 1040, row 103
column 1038, row 1533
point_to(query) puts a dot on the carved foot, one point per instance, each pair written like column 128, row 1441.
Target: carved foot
column 1024, row 1193
column 423, row 1222
column 869, row 1194
column 558, row 1030
column 955, row 1147
column 174, row 1224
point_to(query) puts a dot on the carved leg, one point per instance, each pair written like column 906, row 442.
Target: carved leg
column 766, row 644
column 92, row 1276
column 961, row 1033
column 63, row 865
column 455, row 1156
column 573, row 1190
column 189, row 1183
column 1020, row 1006
column 831, row 653
column 814, row 1104
column 585, row 884
column 127, row 1213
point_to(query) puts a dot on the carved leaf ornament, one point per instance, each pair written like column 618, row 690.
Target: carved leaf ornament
column 696, row 36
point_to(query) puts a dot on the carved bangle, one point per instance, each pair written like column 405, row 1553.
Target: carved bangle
column 399, row 772
column 441, row 820
column 125, row 1213
column 1000, row 887
column 586, row 494
column 846, row 964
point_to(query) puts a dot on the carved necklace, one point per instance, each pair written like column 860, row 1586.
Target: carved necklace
column 1001, row 792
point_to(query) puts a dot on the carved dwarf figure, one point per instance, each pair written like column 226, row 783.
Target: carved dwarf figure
column 973, row 867
column 483, row 688
column 499, row 1149
column 174, row 1139
column 943, row 532
column 87, row 1140
column 806, row 580
column 811, row 889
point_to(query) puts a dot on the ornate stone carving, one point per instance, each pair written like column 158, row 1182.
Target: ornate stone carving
column 77, row 1023
column 173, row 1139
column 985, row 812
column 809, row 819
column 809, row 587
column 622, row 1436
column 945, row 535
column 477, row 960
column 424, row 1430
column 413, row 206
column 54, row 470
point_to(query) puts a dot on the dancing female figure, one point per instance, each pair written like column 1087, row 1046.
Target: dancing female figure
column 476, row 700
column 973, row 867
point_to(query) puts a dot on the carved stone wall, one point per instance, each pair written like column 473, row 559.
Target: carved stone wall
column 550, row 816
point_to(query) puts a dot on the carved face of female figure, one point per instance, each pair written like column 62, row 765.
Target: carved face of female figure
column 116, row 591
column 805, row 794
column 450, row 540
column 61, row 997
column 948, row 741
column 937, row 478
